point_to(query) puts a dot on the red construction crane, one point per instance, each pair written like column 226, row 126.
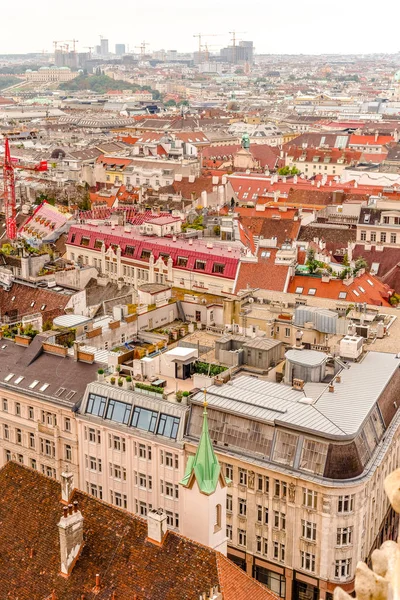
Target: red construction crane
column 10, row 210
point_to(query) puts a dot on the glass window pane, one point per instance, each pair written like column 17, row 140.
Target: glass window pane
column 95, row 405
column 118, row 411
column 168, row 426
column 313, row 456
column 285, row 448
column 144, row 419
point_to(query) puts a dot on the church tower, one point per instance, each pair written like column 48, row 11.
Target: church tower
column 204, row 495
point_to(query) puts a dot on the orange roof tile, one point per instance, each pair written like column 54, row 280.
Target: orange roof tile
column 365, row 288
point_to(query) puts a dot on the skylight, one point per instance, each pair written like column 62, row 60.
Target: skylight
column 299, row 290
column 312, row 291
column 34, row 384
column 361, row 289
column 70, row 395
column 60, row 392
column 9, row 376
column 19, row 379
column 356, row 293
column 370, row 282
column 44, row 387
column 342, row 295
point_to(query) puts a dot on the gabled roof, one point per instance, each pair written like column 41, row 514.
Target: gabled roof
column 116, row 547
column 365, row 288
column 198, row 251
column 204, row 466
column 263, row 274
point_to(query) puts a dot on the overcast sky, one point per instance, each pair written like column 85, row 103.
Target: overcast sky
column 307, row 26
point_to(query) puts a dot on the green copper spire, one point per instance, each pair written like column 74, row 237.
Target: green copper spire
column 204, row 467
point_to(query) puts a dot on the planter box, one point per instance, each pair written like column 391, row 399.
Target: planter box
column 94, row 332
column 55, row 349
column 87, row 357
column 22, row 340
column 114, row 324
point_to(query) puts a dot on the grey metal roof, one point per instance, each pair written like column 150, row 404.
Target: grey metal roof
column 270, row 402
column 334, row 414
column 262, row 343
column 311, row 358
column 360, row 387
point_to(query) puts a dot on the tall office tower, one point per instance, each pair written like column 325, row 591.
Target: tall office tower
column 104, row 47
column 120, row 49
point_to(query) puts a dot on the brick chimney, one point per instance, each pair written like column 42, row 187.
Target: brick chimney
column 156, row 526
column 71, row 537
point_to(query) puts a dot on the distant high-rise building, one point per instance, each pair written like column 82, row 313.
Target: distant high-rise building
column 120, row 49
column 238, row 54
column 98, row 50
column 104, row 47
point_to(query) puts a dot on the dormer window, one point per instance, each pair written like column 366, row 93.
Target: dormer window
column 200, row 265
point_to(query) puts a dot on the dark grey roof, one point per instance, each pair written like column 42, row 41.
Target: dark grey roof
column 33, row 365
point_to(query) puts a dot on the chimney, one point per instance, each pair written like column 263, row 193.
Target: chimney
column 67, row 485
column 71, row 537
column 338, row 379
column 331, row 387
column 76, row 350
column 156, row 526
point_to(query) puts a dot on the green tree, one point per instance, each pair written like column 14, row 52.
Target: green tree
column 311, row 262
column 170, row 103
column 289, row 170
column 360, row 263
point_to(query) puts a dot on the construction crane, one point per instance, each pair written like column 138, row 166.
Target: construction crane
column 202, row 35
column 90, row 48
column 73, row 42
column 233, row 34
column 9, row 167
column 142, row 48
column 206, row 50
column 234, row 40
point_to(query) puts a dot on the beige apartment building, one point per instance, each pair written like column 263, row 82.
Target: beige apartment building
column 122, row 253
column 40, row 385
column 307, row 462
column 379, row 225
column 131, row 449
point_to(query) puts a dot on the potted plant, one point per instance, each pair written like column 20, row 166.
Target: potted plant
column 120, row 382
column 118, row 368
column 112, row 380
column 179, row 395
column 100, row 375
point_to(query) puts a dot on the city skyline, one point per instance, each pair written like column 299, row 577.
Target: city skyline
column 277, row 32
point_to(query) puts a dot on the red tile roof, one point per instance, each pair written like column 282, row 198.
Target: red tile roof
column 24, row 300
column 365, row 288
column 158, row 246
column 264, row 274
column 369, row 140
column 115, row 547
column 109, row 161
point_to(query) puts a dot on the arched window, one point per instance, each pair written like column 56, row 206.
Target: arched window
column 218, row 515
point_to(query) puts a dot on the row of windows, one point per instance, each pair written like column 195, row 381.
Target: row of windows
column 133, row 416
column 307, row 559
column 181, row 261
column 383, row 237
column 32, row 463
column 28, row 412
column 47, row 447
